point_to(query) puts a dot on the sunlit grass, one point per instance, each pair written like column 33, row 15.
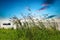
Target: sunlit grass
column 33, row 33
column 30, row 31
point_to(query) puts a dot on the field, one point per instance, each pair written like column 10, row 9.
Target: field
column 33, row 33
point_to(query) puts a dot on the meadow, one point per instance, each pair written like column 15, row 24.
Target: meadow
column 30, row 31
column 33, row 33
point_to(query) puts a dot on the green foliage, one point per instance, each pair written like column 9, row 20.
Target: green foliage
column 8, row 34
column 30, row 31
column 33, row 33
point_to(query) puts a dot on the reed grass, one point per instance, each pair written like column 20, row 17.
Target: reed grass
column 30, row 31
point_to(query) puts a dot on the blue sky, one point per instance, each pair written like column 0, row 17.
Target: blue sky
column 10, row 8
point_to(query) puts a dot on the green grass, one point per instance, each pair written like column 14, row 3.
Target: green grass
column 33, row 33
column 8, row 34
